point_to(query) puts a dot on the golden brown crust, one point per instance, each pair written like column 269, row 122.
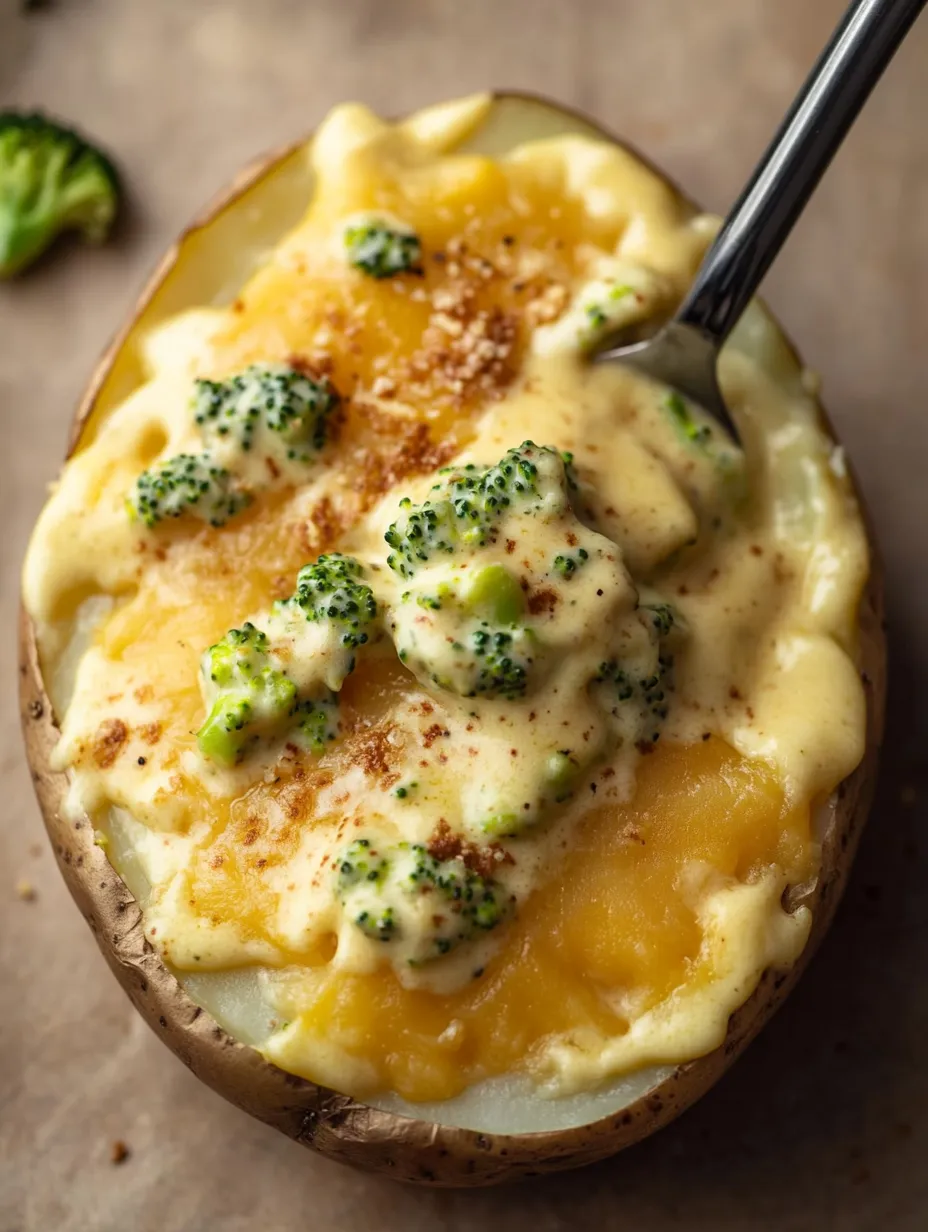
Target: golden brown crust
column 334, row 1124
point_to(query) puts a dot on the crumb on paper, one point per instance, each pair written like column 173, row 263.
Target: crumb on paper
column 26, row 890
column 119, row 1152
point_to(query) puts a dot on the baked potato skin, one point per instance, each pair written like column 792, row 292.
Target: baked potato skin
column 333, row 1124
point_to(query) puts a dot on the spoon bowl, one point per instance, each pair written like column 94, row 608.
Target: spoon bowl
column 684, row 354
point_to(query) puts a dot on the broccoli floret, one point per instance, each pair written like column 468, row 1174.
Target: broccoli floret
column 317, row 722
column 482, row 660
column 683, row 421
column 662, row 617
column 361, row 861
column 568, row 563
column 422, row 532
column 267, row 403
column 252, row 698
column 612, row 674
column 186, row 483
column 331, row 589
column 502, row 659
column 648, row 691
column 390, row 892
column 465, row 508
column 51, row 180
column 494, row 594
column 382, row 250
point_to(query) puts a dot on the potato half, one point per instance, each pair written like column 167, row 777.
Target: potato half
column 206, row 265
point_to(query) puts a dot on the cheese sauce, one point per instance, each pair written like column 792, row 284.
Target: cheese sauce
column 605, row 817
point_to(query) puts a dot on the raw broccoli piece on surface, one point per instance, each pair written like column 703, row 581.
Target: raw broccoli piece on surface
column 381, row 250
column 267, row 404
column 51, row 180
column 331, row 589
column 186, row 483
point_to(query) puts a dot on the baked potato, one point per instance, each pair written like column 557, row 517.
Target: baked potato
column 400, row 343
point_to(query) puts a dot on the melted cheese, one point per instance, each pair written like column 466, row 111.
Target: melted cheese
column 649, row 903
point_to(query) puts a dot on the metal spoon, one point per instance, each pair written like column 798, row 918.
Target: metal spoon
column 684, row 354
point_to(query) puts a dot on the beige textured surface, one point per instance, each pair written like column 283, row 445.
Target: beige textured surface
column 823, row 1124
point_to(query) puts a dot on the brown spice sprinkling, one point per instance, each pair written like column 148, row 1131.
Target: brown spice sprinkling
column 734, row 694
column 446, row 845
column 326, row 521
column 315, row 365
column 756, row 549
column 510, row 546
column 373, row 751
column 111, row 735
column 431, row 734
column 466, row 351
column 542, row 601
column 384, row 387
column 391, row 450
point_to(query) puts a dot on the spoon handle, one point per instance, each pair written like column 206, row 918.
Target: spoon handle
column 826, row 107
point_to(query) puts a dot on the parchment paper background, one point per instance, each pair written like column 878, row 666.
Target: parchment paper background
column 823, row 1125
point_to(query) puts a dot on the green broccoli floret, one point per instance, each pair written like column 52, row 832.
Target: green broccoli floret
column 568, row 563
column 317, row 722
column 51, row 180
column 466, row 507
column 186, row 483
column 271, row 401
column 380, row 250
column 401, row 892
column 502, row 659
column 252, row 698
column 361, row 861
column 683, row 421
column 648, row 692
column 662, row 617
column 331, row 589
column 612, row 674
